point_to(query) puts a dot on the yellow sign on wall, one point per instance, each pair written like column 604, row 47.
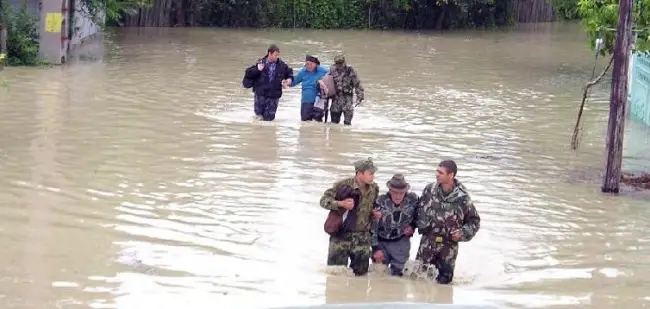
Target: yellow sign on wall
column 53, row 22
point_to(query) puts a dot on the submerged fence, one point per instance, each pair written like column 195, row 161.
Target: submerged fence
column 640, row 88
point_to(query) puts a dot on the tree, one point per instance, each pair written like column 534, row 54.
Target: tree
column 600, row 18
column 566, row 9
column 101, row 11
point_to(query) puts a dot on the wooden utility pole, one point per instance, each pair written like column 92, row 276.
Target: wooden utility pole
column 3, row 34
column 3, row 44
column 3, row 38
column 618, row 98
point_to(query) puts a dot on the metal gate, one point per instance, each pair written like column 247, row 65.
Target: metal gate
column 640, row 88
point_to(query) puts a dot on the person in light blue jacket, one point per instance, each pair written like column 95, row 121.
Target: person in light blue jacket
column 309, row 76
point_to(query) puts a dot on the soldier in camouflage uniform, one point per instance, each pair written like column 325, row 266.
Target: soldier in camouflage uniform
column 346, row 81
column 354, row 243
column 391, row 234
column 445, row 216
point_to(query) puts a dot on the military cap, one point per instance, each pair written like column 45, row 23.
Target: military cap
column 339, row 59
column 365, row 165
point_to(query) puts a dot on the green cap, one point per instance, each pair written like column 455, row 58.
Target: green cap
column 365, row 165
column 339, row 59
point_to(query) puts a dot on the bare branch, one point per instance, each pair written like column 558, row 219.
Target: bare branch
column 576, row 130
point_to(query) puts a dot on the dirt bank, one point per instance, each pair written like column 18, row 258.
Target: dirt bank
column 639, row 181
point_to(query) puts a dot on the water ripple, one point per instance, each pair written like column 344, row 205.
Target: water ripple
column 142, row 180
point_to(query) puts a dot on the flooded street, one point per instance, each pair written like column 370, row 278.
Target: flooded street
column 139, row 180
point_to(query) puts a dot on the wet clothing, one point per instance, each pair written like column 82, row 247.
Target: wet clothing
column 437, row 215
column 265, row 107
column 267, row 86
column 318, row 111
column 347, row 82
column 353, row 241
column 268, row 82
column 309, row 82
column 310, row 90
column 352, row 245
column 396, row 253
column 309, row 112
column 335, row 117
column 441, row 253
column 388, row 232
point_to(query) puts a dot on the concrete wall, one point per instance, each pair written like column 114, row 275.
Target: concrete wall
column 53, row 45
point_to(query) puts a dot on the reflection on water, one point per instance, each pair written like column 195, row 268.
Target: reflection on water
column 141, row 181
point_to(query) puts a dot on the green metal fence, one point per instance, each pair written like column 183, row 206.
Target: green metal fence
column 640, row 88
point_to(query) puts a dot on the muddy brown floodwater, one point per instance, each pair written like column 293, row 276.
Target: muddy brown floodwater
column 138, row 180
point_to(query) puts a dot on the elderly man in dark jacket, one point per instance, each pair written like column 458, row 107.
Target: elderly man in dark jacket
column 267, row 78
column 391, row 234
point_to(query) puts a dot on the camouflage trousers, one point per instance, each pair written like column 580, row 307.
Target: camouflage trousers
column 343, row 104
column 441, row 253
column 355, row 246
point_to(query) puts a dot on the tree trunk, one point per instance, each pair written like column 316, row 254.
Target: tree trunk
column 3, row 39
column 441, row 17
column 618, row 99
column 3, row 46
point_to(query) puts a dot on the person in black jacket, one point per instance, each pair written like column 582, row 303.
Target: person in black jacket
column 267, row 78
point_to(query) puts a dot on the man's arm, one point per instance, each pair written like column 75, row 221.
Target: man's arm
column 356, row 82
column 288, row 74
column 328, row 200
column 374, row 225
column 298, row 78
column 415, row 211
column 471, row 222
column 252, row 72
column 374, row 239
column 375, row 196
column 421, row 221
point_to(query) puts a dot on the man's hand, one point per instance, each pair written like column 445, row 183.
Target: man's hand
column 408, row 231
column 456, row 235
column 260, row 66
column 347, row 203
column 358, row 102
column 376, row 214
column 378, row 256
column 286, row 83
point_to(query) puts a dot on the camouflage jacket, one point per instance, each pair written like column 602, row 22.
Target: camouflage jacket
column 346, row 81
column 364, row 212
column 394, row 218
column 438, row 214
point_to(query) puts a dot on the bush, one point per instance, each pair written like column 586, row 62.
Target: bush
column 22, row 36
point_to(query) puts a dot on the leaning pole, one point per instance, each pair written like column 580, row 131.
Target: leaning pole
column 618, row 99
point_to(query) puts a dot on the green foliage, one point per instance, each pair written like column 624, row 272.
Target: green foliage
column 319, row 14
column 600, row 18
column 566, row 9
column 110, row 11
column 22, row 36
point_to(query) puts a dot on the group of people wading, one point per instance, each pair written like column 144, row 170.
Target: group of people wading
column 270, row 75
column 364, row 225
